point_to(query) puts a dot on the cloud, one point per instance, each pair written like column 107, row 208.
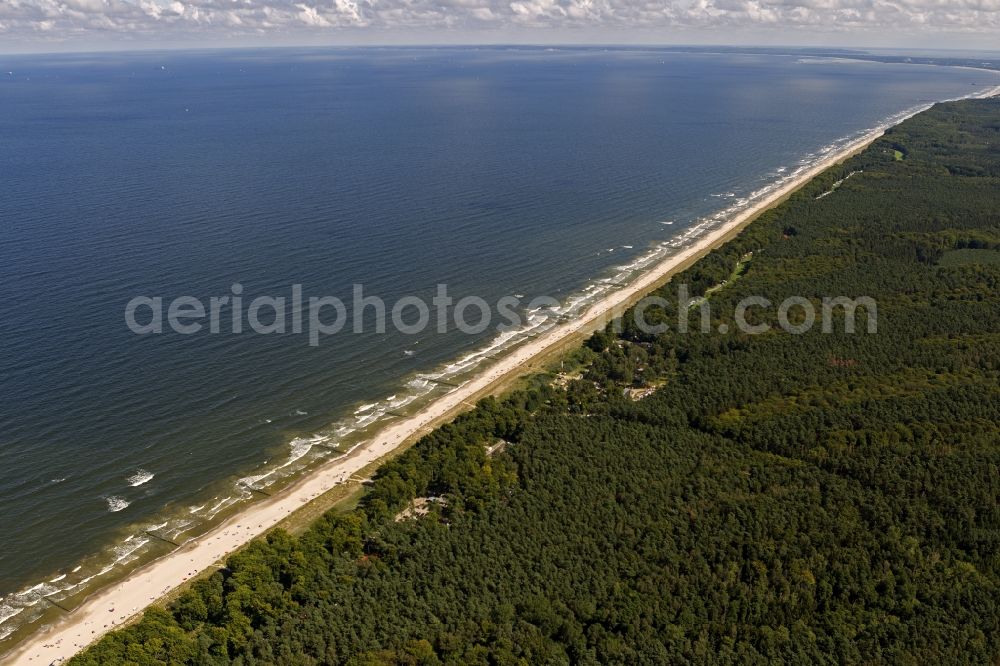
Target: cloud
column 160, row 19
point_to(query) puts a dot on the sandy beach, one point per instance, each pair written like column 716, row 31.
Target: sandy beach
column 119, row 604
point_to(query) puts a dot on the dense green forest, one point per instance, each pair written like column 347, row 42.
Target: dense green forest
column 811, row 498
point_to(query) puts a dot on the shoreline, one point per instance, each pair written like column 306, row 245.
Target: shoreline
column 118, row 604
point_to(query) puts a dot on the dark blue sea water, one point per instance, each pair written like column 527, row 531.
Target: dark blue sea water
column 496, row 171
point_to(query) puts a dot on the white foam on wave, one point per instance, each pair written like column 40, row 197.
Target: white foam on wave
column 7, row 612
column 28, row 599
column 299, row 447
column 126, row 550
column 116, row 503
column 121, row 554
column 140, row 477
column 221, row 504
column 179, row 527
column 26, row 605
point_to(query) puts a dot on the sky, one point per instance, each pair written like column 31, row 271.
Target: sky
column 68, row 25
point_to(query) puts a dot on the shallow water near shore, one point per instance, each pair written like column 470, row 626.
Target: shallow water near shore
column 497, row 172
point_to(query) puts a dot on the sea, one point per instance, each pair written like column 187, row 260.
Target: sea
column 501, row 171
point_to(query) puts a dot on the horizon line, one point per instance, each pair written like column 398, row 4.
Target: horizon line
column 761, row 49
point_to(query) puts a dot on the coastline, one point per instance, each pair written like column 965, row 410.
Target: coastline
column 116, row 605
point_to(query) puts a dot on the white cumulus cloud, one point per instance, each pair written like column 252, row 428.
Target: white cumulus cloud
column 160, row 19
